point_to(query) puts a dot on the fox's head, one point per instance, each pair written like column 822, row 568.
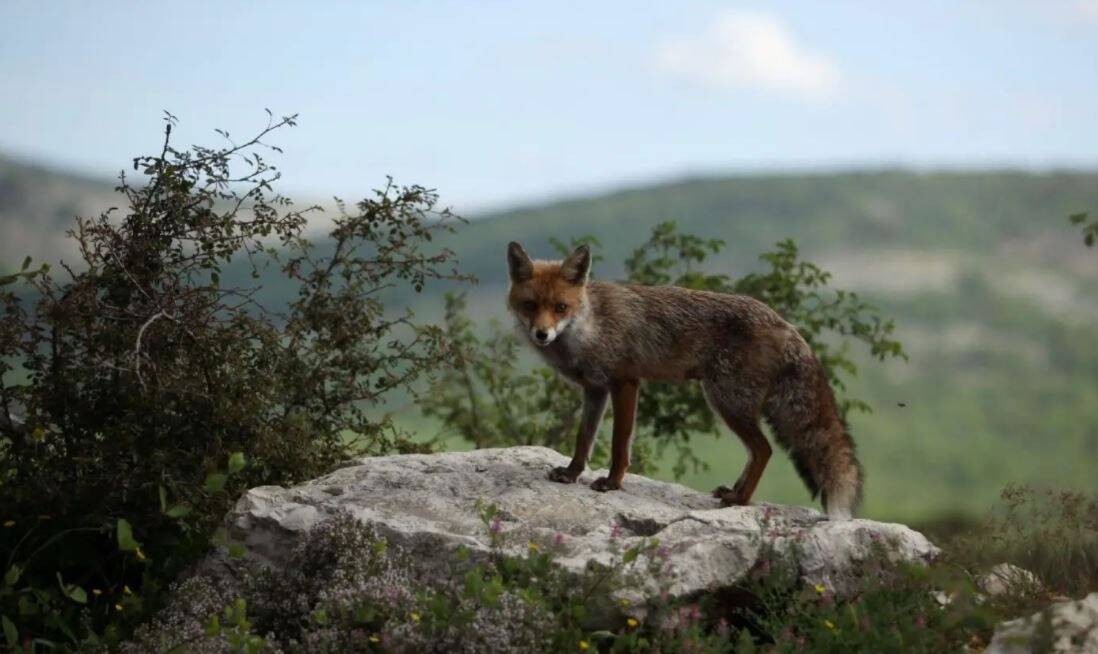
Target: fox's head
column 547, row 296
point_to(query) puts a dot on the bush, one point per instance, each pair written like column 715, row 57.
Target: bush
column 142, row 392
column 1053, row 534
column 490, row 399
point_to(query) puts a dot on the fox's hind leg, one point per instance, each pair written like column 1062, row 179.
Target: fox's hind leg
column 739, row 407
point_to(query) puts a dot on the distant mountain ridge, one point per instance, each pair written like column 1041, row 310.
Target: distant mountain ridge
column 38, row 205
column 994, row 294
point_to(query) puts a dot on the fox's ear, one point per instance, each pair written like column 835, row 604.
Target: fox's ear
column 577, row 266
column 518, row 263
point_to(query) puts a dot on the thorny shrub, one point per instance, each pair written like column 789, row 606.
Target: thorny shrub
column 134, row 383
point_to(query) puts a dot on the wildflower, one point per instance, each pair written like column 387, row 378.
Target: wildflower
column 139, row 554
column 663, row 552
column 375, row 639
column 96, row 592
column 821, row 589
column 623, row 601
column 415, row 617
column 829, row 624
column 615, row 530
column 9, row 523
column 534, row 547
column 126, row 590
column 583, row 645
column 558, row 539
column 722, row 628
column 117, row 607
column 497, row 525
column 632, row 622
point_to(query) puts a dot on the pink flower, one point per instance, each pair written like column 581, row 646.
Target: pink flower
column 497, row 525
column 615, row 530
column 558, row 539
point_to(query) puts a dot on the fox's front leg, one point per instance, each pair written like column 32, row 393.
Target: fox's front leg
column 625, row 413
column 594, row 405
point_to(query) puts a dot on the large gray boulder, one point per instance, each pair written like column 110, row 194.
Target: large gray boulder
column 426, row 504
column 1062, row 627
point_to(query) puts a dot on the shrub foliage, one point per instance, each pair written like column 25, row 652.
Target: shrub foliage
column 141, row 391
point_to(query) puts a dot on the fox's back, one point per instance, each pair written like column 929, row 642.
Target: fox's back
column 667, row 332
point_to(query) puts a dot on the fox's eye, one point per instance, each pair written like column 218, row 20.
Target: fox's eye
column 530, row 305
column 561, row 308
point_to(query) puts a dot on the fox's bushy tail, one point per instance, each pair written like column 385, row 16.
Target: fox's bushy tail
column 802, row 411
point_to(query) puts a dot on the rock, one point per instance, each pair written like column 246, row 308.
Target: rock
column 1006, row 578
column 1070, row 626
column 427, row 505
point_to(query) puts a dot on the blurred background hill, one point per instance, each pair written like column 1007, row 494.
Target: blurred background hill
column 994, row 295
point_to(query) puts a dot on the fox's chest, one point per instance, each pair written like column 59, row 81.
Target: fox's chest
column 570, row 359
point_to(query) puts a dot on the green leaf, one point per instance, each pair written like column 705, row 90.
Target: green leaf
column 10, row 632
column 178, row 511
column 77, row 594
column 237, row 550
column 215, row 482
column 212, row 626
column 27, row 606
column 163, row 500
column 126, row 541
column 12, row 575
column 26, row 264
column 1077, row 218
column 630, row 555
column 236, row 462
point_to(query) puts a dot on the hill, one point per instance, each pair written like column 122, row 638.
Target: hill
column 993, row 292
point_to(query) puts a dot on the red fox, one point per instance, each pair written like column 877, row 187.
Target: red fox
column 607, row 337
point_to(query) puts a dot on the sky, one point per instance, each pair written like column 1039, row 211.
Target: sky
column 502, row 103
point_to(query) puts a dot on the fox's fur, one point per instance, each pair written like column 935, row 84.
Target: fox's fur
column 751, row 363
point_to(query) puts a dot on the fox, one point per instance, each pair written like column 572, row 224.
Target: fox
column 608, row 337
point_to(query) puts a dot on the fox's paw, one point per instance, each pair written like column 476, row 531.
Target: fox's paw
column 563, row 475
column 603, row 484
column 730, row 496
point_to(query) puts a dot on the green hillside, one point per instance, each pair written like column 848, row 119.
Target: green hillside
column 994, row 294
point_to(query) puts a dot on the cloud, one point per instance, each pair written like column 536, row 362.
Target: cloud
column 1086, row 9
column 750, row 50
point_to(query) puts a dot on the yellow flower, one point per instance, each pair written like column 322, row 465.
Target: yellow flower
column 632, row 622
column 415, row 617
column 117, row 607
column 126, row 590
column 534, row 547
column 829, row 624
column 9, row 523
column 583, row 645
column 139, row 554
column 375, row 639
column 820, row 588
column 623, row 602
column 96, row 592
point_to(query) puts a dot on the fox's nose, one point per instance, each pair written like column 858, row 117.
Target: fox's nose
column 541, row 335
